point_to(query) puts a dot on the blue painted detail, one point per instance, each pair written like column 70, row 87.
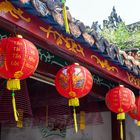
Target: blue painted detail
column 48, row 19
column 95, row 49
column 81, row 40
column 105, row 56
column 116, row 62
column 21, row 5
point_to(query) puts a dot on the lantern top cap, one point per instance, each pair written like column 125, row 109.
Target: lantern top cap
column 76, row 64
column 19, row 36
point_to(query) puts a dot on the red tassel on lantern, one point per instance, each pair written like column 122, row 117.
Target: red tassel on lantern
column 73, row 82
column 120, row 100
column 18, row 60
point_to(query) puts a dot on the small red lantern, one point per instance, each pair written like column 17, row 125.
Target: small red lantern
column 18, row 60
column 135, row 112
column 120, row 100
column 73, row 82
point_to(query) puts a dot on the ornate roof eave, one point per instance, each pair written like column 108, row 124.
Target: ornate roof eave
column 97, row 54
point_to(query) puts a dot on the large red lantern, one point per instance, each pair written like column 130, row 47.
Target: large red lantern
column 120, row 100
column 18, row 60
column 135, row 112
column 73, row 82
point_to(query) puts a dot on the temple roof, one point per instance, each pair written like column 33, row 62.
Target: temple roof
column 50, row 11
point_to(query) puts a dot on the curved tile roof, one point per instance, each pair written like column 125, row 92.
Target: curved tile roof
column 50, row 11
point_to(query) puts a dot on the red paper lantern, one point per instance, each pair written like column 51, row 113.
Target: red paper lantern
column 73, row 82
column 135, row 112
column 18, row 60
column 120, row 100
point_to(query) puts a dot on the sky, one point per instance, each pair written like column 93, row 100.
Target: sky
column 88, row 11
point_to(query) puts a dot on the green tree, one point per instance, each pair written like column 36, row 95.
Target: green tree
column 121, row 36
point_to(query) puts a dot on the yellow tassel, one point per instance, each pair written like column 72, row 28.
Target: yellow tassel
column 82, row 120
column 13, row 84
column 75, row 120
column 74, row 102
column 121, row 116
column 121, row 130
column 20, row 118
column 14, row 106
column 138, row 123
column 65, row 19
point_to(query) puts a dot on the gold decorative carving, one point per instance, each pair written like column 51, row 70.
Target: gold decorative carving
column 69, row 43
column 134, row 80
column 104, row 64
column 6, row 6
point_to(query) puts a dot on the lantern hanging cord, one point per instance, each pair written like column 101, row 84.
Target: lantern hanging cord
column 65, row 17
column 14, row 106
column 75, row 119
column 121, row 130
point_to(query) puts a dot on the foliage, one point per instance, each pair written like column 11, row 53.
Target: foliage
column 122, row 35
